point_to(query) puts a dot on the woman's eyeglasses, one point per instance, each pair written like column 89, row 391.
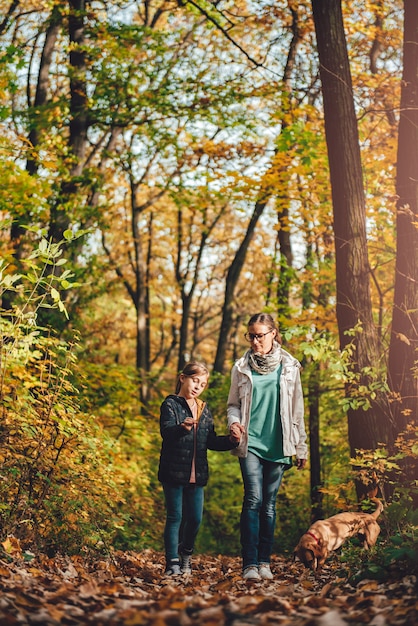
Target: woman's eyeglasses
column 260, row 337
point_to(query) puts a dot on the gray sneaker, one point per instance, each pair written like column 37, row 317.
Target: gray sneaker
column 173, row 569
column 185, row 562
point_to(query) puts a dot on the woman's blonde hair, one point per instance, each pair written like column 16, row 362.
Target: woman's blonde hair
column 193, row 368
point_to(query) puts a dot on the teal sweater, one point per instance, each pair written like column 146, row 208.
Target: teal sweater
column 265, row 436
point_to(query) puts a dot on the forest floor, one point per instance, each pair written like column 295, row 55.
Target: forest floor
column 128, row 589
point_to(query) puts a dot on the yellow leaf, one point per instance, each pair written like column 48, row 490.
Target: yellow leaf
column 11, row 545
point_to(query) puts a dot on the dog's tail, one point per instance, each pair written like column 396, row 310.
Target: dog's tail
column 372, row 485
column 373, row 488
column 379, row 507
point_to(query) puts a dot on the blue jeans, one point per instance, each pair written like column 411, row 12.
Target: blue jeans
column 184, row 508
column 262, row 480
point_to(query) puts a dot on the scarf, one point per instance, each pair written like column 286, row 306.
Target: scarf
column 265, row 363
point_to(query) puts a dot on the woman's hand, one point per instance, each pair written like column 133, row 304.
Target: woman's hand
column 235, row 431
column 300, row 463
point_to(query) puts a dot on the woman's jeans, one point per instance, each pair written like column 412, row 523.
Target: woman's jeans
column 184, row 507
column 262, row 480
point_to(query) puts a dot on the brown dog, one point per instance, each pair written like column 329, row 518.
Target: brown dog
column 326, row 535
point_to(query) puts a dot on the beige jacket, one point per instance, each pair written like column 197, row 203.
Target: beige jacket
column 291, row 405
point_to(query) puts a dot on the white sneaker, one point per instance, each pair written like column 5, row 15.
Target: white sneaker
column 265, row 571
column 251, row 573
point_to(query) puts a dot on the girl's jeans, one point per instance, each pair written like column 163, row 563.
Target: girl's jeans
column 184, row 507
column 262, row 480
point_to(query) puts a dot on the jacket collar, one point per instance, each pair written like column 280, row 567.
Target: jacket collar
column 200, row 403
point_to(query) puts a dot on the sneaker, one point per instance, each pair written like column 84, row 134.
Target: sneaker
column 173, row 569
column 251, row 573
column 185, row 561
column 265, row 571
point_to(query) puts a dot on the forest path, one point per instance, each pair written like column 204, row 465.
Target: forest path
column 128, row 589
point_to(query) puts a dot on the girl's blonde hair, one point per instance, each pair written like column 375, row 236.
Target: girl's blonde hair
column 193, row 368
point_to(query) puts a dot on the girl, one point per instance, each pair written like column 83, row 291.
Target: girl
column 187, row 431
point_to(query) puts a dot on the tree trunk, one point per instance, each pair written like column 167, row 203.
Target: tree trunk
column 314, row 439
column 286, row 265
column 79, row 118
column 230, row 286
column 367, row 428
column 404, row 336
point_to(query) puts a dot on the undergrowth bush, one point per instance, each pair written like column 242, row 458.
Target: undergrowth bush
column 57, row 485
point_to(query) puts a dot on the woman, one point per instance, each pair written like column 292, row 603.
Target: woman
column 265, row 406
column 187, row 431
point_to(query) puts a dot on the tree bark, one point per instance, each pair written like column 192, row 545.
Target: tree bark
column 404, row 333
column 314, row 441
column 79, row 118
column 367, row 428
column 231, row 282
column 285, row 264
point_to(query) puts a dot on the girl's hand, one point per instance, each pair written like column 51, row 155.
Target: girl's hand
column 188, row 423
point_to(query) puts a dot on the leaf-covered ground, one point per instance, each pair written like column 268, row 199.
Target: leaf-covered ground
column 129, row 589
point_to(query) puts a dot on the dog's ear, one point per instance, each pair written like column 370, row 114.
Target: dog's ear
column 373, row 486
column 298, row 553
column 311, row 560
column 307, row 557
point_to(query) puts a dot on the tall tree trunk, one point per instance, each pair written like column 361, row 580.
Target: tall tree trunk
column 403, row 350
column 367, row 428
column 79, row 117
column 285, row 264
column 314, row 386
column 141, row 301
column 232, row 278
column 314, row 439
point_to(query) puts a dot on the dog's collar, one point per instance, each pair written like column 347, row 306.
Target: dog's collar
column 312, row 535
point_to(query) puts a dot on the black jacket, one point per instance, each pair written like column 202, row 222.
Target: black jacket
column 178, row 443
